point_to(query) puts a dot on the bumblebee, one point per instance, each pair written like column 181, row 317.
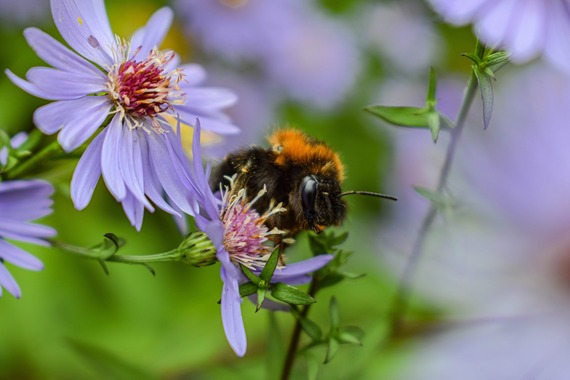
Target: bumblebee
column 302, row 173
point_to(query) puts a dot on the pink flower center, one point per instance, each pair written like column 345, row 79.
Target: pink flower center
column 144, row 89
column 246, row 234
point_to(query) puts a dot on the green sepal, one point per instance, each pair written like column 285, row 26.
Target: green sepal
column 497, row 58
column 270, row 265
column 247, row 289
column 332, row 349
column 291, row 295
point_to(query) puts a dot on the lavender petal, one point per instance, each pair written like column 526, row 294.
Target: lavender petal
column 30, row 88
column 134, row 210
column 151, row 35
column 231, row 311
column 19, row 257
column 84, row 25
column 110, row 159
column 66, row 113
column 8, row 282
column 130, row 165
column 87, row 173
column 59, row 56
column 194, row 74
column 209, row 97
column 65, row 84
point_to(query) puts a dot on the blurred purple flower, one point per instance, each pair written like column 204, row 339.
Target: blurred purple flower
column 525, row 28
column 382, row 21
column 139, row 88
column 501, row 263
column 303, row 53
column 238, row 233
column 23, row 12
column 20, row 202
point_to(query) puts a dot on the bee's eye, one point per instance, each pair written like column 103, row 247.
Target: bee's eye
column 309, row 188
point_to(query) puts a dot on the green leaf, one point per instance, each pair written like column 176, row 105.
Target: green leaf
column 247, row 289
column 440, row 200
column 250, row 275
column 332, row 349
column 434, row 124
column 486, row 87
column 311, row 328
column 291, row 295
column 411, row 117
column 445, row 123
column 108, row 365
column 4, row 139
column 275, row 348
column 430, row 97
column 261, row 292
column 313, row 365
column 334, row 314
column 270, row 265
column 350, row 335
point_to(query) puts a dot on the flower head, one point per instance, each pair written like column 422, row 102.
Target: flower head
column 525, row 28
column 20, row 202
column 134, row 86
column 245, row 232
column 239, row 233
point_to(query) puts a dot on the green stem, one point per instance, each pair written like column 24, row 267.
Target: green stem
column 36, row 159
column 196, row 249
column 401, row 299
column 296, row 335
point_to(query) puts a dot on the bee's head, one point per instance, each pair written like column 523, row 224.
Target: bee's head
column 321, row 199
column 322, row 206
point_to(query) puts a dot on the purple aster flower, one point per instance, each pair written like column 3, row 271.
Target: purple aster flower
column 20, row 202
column 139, row 88
column 239, row 233
column 303, row 53
column 525, row 28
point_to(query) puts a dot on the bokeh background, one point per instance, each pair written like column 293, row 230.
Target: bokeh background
column 495, row 268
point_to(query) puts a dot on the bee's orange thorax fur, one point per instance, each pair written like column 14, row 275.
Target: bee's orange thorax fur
column 293, row 146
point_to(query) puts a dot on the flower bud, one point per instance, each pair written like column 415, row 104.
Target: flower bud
column 197, row 250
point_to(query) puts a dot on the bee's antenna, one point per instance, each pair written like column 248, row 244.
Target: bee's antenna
column 370, row 193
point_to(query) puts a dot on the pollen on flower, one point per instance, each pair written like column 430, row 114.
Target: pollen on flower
column 245, row 232
column 143, row 89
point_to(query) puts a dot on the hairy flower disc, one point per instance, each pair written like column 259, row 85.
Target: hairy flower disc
column 245, row 229
column 143, row 89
